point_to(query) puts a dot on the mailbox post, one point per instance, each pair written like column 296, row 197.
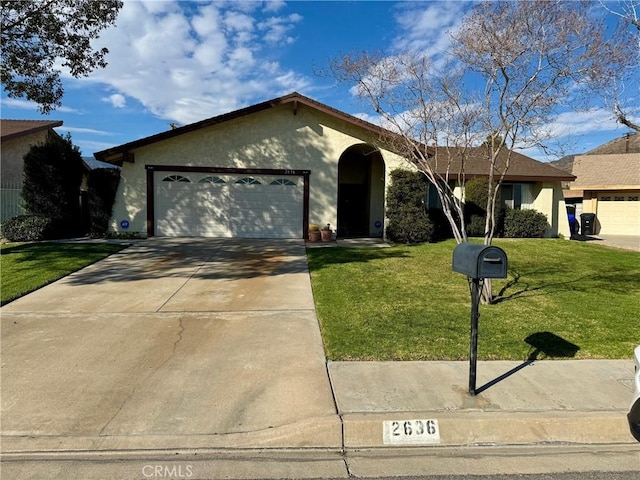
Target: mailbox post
column 477, row 262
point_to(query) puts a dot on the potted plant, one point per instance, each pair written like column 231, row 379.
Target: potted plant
column 326, row 233
column 314, row 233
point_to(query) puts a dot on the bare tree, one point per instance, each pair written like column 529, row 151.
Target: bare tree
column 629, row 13
column 512, row 67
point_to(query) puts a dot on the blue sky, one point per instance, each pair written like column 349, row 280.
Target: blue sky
column 180, row 62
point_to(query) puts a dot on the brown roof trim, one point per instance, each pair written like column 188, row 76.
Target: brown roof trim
column 294, row 98
column 11, row 129
column 522, row 168
column 476, row 164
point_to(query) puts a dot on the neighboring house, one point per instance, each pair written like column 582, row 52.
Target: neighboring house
column 17, row 137
column 608, row 185
column 527, row 184
column 271, row 169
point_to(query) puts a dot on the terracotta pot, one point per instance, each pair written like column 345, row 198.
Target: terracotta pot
column 314, row 235
column 327, row 235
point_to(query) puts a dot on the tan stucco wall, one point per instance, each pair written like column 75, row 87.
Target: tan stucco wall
column 12, row 153
column 275, row 138
column 548, row 199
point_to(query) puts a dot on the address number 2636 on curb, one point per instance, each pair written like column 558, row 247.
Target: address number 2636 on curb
column 410, row 432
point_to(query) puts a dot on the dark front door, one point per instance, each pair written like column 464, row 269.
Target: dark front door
column 353, row 210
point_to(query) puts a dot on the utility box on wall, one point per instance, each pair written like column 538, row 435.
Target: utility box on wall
column 479, row 261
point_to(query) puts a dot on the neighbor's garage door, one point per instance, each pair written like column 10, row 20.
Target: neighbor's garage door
column 619, row 214
column 245, row 206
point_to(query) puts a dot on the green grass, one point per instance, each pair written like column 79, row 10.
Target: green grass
column 29, row 266
column 405, row 303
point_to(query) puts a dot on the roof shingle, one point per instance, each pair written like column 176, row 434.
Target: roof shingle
column 17, row 128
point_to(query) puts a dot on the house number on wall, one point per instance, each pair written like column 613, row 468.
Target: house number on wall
column 410, row 432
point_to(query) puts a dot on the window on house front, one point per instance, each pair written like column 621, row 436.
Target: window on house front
column 283, row 181
column 248, row 181
column 511, row 196
column 213, row 180
column 176, row 178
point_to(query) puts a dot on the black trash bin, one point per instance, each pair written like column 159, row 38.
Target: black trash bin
column 588, row 221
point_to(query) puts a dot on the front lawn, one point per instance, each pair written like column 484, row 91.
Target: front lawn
column 405, row 303
column 25, row 267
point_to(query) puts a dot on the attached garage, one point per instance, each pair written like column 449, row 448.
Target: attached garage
column 269, row 171
column 610, row 185
column 618, row 213
column 242, row 203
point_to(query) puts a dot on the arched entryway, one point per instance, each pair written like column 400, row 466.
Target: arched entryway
column 360, row 192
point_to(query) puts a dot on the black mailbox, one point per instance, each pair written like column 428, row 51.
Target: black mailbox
column 479, row 261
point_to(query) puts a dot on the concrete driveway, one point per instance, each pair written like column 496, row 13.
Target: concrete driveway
column 171, row 343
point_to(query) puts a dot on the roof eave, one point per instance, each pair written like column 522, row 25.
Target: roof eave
column 48, row 126
column 114, row 155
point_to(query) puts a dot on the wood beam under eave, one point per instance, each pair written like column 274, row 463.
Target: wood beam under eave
column 295, row 107
column 128, row 157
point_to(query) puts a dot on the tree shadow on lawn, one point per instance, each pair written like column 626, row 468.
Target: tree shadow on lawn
column 322, row 257
column 542, row 343
column 613, row 281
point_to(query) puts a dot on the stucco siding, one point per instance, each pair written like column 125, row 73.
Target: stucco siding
column 13, row 152
column 272, row 139
column 549, row 200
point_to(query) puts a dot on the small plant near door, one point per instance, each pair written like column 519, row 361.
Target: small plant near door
column 326, row 233
column 314, row 233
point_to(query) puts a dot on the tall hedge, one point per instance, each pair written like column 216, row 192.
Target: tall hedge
column 103, row 184
column 408, row 219
column 476, row 193
column 51, row 187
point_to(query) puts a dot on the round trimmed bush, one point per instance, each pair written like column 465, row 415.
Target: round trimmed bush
column 27, row 228
column 410, row 226
column 475, row 226
column 525, row 224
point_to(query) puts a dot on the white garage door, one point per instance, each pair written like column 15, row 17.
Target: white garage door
column 211, row 205
column 619, row 214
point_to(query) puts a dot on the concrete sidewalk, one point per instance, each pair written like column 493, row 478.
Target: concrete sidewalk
column 560, row 401
column 175, row 346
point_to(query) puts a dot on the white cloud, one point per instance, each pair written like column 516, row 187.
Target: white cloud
column 579, row 123
column 91, row 131
column 116, row 100
column 273, row 5
column 185, row 62
column 424, row 27
column 29, row 105
column 276, row 28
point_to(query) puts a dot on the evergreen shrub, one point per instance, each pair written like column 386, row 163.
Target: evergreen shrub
column 408, row 219
column 103, row 184
column 51, row 186
column 525, row 224
column 27, row 228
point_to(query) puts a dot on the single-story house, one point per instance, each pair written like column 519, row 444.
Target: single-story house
column 274, row 168
column 527, row 183
column 609, row 187
column 17, row 137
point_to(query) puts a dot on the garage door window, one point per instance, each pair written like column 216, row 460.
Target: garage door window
column 283, row 181
column 176, row 178
column 248, row 181
column 212, row 180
